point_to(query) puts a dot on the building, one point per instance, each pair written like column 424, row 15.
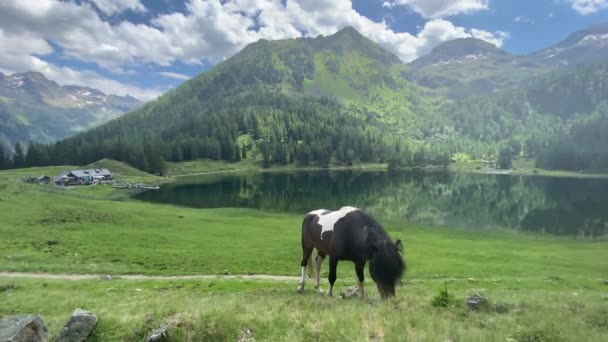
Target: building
column 44, row 179
column 83, row 177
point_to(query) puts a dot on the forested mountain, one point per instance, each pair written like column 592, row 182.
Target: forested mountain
column 559, row 119
column 339, row 98
column 344, row 99
column 35, row 108
column 468, row 67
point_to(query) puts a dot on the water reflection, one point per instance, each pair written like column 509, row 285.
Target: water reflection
column 564, row 206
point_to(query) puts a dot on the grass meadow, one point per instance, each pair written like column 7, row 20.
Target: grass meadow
column 540, row 287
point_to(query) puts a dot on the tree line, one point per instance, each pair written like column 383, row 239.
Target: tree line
column 271, row 127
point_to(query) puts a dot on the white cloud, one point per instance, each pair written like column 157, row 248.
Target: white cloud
column 525, row 19
column 16, row 56
column 497, row 38
column 440, row 8
column 174, row 75
column 588, row 6
column 209, row 30
column 110, row 7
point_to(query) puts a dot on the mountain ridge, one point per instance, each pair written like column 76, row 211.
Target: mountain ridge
column 35, row 108
column 456, row 69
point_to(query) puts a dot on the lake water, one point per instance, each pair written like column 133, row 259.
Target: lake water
column 564, row 206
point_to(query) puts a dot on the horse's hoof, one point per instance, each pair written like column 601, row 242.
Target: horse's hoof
column 300, row 290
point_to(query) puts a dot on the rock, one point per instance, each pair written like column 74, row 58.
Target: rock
column 246, row 336
column 29, row 328
column 105, row 277
column 475, row 301
column 78, row 327
column 349, row 292
column 159, row 335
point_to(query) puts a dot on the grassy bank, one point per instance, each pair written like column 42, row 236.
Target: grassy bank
column 198, row 167
column 548, row 310
column 547, row 288
column 521, row 167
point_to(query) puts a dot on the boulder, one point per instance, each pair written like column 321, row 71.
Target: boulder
column 78, row 327
column 29, row 328
column 349, row 292
column 476, row 301
column 159, row 335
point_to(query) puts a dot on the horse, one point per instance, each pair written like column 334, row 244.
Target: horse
column 352, row 235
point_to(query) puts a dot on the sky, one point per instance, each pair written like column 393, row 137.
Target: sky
column 146, row 47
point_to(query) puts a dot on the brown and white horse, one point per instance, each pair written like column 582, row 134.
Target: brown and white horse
column 350, row 234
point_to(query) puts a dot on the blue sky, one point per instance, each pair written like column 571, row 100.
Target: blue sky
column 145, row 47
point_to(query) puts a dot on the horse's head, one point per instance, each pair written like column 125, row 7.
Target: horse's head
column 386, row 265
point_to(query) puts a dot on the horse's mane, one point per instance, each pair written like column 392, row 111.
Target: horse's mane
column 385, row 262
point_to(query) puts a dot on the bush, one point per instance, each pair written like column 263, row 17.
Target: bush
column 443, row 299
column 546, row 334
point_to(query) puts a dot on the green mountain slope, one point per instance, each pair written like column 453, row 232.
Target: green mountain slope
column 338, row 98
column 344, row 99
column 32, row 108
column 559, row 119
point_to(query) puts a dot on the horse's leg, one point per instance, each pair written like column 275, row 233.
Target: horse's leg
column 318, row 263
column 306, row 252
column 359, row 267
column 333, row 265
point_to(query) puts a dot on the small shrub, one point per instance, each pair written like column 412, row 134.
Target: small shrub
column 443, row 299
column 545, row 334
column 598, row 318
column 7, row 287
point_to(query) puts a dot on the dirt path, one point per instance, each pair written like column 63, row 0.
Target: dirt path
column 63, row 276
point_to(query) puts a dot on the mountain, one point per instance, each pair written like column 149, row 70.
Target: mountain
column 469, row 66
column 559, row 119
column 344, row 99
column 582, row 47
column 338, row 98
column 35, row 108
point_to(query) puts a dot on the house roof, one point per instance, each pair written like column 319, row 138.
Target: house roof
column 91, row 173
column 84, row 173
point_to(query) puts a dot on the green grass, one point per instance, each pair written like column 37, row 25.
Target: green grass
column 206, row 166
column 117, row 168
column 222, row 310
column 554, row 288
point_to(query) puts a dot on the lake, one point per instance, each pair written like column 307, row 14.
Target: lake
column 563, row 206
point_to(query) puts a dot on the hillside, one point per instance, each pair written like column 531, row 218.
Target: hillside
column 339, row 98
column 37, row 109
column 343, row 100
column 559, row 120
column 469, row 67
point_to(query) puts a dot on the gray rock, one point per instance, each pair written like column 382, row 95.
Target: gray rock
column 29, row 328
column 159, row 335
column 105, row 277
column 475, row 301
column 78, row 327
column 246, row 335
column 349, row 292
